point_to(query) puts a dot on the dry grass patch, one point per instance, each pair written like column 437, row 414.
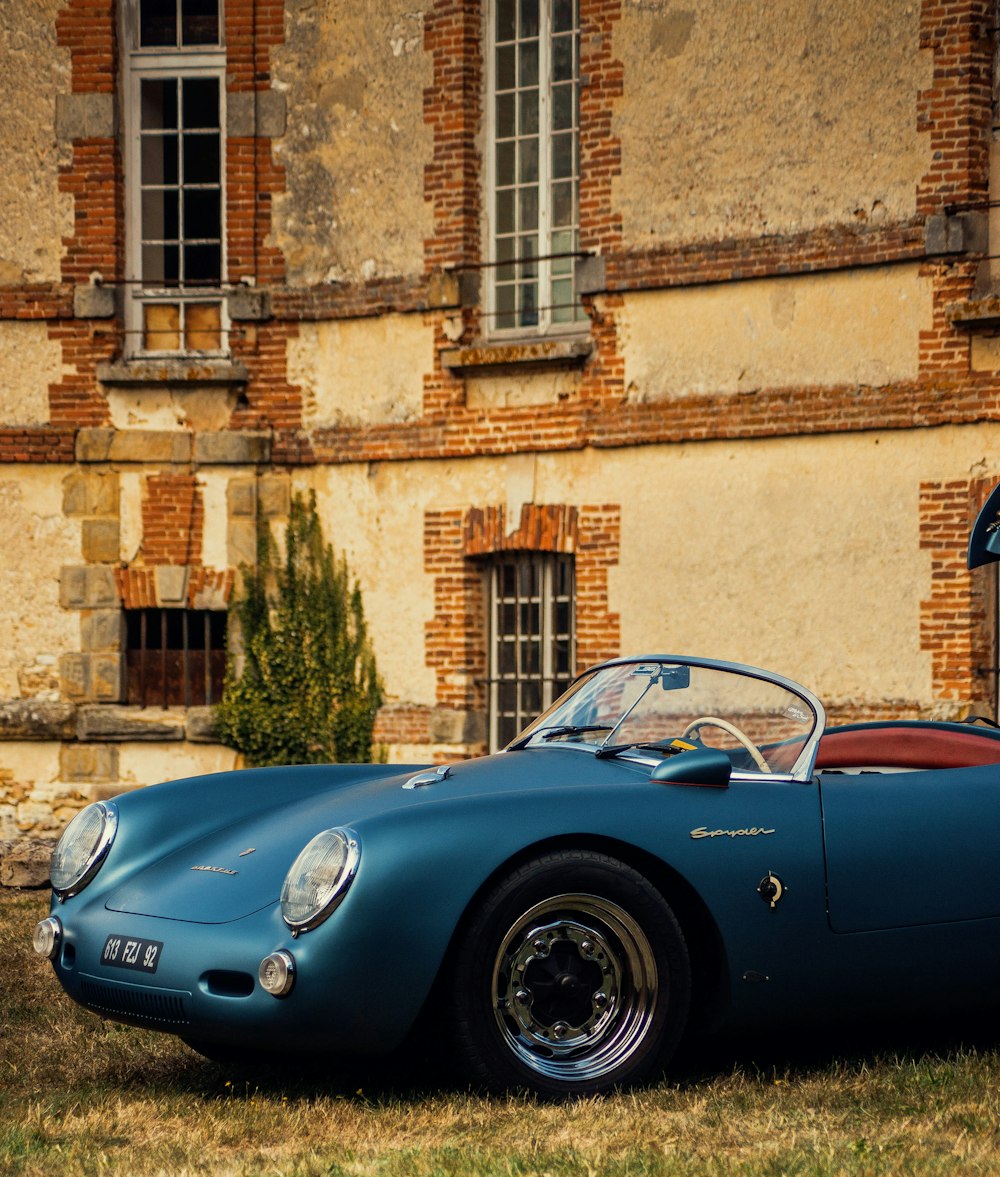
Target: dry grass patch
column 80, row 1096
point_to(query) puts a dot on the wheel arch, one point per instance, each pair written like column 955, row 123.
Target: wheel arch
column 709, row 970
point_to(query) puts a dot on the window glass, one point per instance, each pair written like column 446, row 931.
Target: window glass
column 535, row 164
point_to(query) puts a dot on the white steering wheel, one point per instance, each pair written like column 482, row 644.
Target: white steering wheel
column 697, row 724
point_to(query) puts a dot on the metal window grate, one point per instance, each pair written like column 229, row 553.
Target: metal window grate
column 175, row 657
column 532, row 638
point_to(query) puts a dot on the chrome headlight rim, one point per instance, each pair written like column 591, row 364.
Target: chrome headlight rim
column 94, row 858
column 334, row 895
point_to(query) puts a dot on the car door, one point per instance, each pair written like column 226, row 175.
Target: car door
column 909, row 849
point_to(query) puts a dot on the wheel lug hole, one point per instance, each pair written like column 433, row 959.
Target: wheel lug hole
column 522, row 997
column 587, row 949
column 600, row 999
column 560, row 1030
column 540, row 946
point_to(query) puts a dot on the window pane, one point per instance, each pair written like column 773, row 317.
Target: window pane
column 506, row 302
column 201, row 102
column 528, row 306
column 507, row 697
column 528, row 250
column 529, row 18
column 528, row 65
column 527, row 208
column 159, row 215
column 563, row 309
column 531, row 658
column 527, row 120
column 158, row 100
column 506, row 67
column 159, row 159
column 531, row 700
column 506, row 662
column 203, row 326
column 199, row 22
column 202, row 216
column 158, row 22
column 201, row 159
column 505, row 163
column 506, row 106
column 563, row 203
column 527, row 171
column 562, row 58
column 505, row 211
column 506, row 18
column 202, row 264
column 562, row 155
column 160, row 265
column 562, row 107
column 563, row 15
column 161, row 332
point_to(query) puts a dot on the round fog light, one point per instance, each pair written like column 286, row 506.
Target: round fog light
column 47, row 937
column 277, row 973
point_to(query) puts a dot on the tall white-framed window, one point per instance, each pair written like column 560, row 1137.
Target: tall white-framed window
column 533, row 170
column 532, row 655
column 174, row 178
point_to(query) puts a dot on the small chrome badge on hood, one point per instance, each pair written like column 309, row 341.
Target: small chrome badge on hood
column 217, row 870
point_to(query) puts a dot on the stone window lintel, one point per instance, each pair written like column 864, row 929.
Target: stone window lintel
column 546, row 352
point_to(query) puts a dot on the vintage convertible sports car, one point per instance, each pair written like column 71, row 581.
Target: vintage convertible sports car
column 676, row 841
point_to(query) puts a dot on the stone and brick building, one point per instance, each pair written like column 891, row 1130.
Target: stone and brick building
column 596, row 326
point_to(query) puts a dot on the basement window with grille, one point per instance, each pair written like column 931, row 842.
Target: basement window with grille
column 532, row 638
column 175, row 657
column 174, row 193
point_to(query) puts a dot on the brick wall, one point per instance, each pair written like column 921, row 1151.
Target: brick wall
column 455, row 546
column 957, row 620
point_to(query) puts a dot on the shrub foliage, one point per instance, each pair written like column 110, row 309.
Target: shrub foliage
column 302, row 686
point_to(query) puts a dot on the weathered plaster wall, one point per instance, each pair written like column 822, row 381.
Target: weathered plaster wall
column 29, row 363
column 800, row 555
column 36, row 540
column 356, row 143
column 33, row 70
column 738, row 120
column 856, row 327
column 149, row 764
column 366, row 371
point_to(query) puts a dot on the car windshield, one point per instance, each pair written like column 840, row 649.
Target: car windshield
column 762, row 723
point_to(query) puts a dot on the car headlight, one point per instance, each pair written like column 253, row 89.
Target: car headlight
column 318, row 879
column 82, row 848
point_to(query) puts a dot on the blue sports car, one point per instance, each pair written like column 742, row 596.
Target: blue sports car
column 676, row 842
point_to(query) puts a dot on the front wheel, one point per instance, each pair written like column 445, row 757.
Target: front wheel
column 572, row 978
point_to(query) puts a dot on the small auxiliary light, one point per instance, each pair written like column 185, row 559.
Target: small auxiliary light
column 47, row 937
column 277, row 973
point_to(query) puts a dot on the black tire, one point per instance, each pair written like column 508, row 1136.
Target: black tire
column 572, row 978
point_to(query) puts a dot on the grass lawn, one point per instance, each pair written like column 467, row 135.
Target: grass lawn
column 82, row 1096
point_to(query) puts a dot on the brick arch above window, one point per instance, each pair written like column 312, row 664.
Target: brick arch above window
column 455, row 541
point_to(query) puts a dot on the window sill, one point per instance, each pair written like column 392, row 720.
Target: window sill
column 547, row 352
column 181, row 370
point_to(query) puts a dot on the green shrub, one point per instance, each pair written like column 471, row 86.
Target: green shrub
column 301, row 685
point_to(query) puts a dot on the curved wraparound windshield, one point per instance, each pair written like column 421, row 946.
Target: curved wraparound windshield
column 761, row 724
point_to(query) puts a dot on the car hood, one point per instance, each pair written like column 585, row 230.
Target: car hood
column 238, row 866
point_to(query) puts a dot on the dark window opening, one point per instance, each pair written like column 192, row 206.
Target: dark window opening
column 178, row 23
column 175, row 657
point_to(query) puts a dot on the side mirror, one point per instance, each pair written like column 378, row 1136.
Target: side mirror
column 706, row 767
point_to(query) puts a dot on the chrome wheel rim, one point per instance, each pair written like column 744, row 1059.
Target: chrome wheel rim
column 574, row 988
